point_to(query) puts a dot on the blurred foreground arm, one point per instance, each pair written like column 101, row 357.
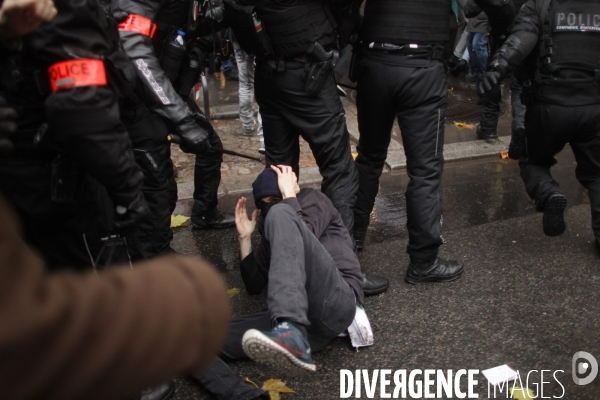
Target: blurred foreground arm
column 67, row 336
column 19, row 17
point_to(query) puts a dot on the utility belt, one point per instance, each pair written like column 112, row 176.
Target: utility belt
column 427, row 51
column 567, row 92
column 318, row 63
column 283, row 63
column 422, row 54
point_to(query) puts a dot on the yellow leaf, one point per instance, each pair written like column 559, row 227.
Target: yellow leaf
column 504, row 155
column 179, row 220
column 274, row 387
column 464, row 125
column 519, row 393
column 232, row 293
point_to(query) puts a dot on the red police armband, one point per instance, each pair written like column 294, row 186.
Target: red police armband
column 139, row 24
column 74, row 73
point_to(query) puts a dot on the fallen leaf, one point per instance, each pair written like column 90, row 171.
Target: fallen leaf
column 504, row 155
column 249, row 381
column 275, row 387
column 179, row 220
column 354, row 155
column 519, row 393
column 233, row 292
column 176, row 165
column 464, row 125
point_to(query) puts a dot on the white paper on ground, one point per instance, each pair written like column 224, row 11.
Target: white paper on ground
column 500, row 374
column 361, row 334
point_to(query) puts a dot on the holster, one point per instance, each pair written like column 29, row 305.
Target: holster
column 67, row 181
column 321, row 69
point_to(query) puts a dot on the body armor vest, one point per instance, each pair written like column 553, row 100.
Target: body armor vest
column 292, row 29
column 568, row 70
column 571, row 37
column 406, row 21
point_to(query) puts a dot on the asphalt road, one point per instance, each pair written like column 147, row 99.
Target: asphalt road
column 525, row 299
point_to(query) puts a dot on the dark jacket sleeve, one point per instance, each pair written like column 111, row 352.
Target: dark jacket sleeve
column 85, row 120
column 254, row 277
column 108, row 336
column 162, row 97
column 317, row 214
column 523, row 37
column 472, row 9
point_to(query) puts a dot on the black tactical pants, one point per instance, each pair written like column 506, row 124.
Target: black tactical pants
column 207, row 176
column 548, row 128
column 389, row 86
column 152, row 153
column 65, row 235
column 490, row 110
column 288, row 112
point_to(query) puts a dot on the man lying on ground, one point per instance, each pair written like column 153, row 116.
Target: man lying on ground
column 306, row 256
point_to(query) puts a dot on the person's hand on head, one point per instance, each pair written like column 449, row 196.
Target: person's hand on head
column 244, row 226
column 286, row 180
column 19, row 17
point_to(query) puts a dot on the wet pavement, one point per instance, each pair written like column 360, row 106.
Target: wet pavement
column 525, row 299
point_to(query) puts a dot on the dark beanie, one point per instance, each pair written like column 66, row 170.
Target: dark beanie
column 266, row 185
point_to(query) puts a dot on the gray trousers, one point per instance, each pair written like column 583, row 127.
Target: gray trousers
column 305, row 287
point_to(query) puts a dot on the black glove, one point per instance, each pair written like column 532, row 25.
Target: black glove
column 127, row 217
column 120, row 16
column 492, row 78
column 7, row 125
column 193, row 138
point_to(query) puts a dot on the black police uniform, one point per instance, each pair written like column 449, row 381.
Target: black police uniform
column 148, row 30
column 400, row 74
column 289, row 110
column 558, row 43
column 70, row 147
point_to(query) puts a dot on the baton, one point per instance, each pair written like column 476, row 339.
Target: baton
column 175, row 139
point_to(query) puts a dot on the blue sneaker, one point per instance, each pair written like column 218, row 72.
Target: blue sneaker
column 284, row 347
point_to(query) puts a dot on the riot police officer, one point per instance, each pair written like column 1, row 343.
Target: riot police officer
column 296, row 46
column 557, row 43
column 70, row 148
column 400, row 74
column 153, row 34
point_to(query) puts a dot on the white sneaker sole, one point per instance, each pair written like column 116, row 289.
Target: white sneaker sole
column 263, row 350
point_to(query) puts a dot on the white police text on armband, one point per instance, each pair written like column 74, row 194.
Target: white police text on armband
column 143, row 67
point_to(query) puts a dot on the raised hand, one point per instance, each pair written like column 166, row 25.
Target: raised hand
column 244, row 226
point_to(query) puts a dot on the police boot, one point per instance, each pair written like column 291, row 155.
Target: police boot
column 517, row 144
column 459, row 67
column 162, row 392
column 373, row 284
column 214, row 219
column 438, row 270
column 554, row 211
column 486, row 133
column 360, row 235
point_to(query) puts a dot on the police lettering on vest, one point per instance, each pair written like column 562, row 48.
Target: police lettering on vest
column 577, row 22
